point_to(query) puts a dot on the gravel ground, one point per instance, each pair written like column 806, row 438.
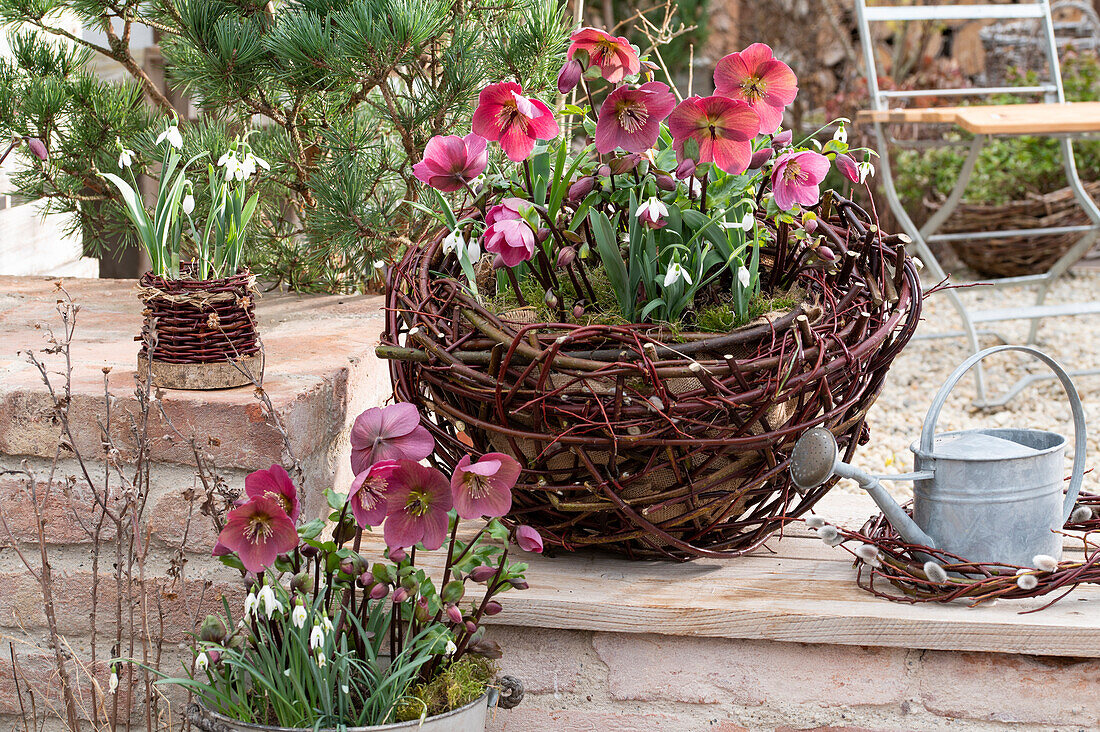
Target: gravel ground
column 895, row 420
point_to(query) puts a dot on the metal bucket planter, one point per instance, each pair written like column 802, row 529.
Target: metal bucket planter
column 200, row 334
column 470, row 718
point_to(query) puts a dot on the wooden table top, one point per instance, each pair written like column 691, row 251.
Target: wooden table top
column 1000, row 119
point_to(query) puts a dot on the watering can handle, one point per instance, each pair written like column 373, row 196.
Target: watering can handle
column 928, row 433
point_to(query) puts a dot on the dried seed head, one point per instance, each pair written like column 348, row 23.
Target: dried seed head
column 1027, row 582
column 935, row 572
column 1045, row 562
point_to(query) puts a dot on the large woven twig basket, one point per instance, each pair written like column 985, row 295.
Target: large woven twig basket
column 639, row 442
column 199, row 334
column 1013, row 256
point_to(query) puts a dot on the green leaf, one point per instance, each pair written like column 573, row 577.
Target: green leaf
column 608, row 248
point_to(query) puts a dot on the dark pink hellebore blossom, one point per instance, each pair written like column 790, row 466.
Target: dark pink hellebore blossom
column 758, row 78
column 484, row 488
column 417, row 503
column 796, row 177
column 721, row 128
column 631, row 118
column 276, row 484
column 367, row 495
column 388, row 433
column 615, row 57
column 258, row 532
column 516, row 121
column 451, row 161
column 507, row 234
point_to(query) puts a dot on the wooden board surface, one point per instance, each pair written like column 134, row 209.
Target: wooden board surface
column 796, row 589
column 1000, row 119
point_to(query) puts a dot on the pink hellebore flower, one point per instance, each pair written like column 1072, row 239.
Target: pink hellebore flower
column 516, row 121
column 756, row 77
column 615, row 57
column 451, row 161
column 722, row 128
column 274, row 483
column 528, row 539
column 258, row 532
column 388, row 433
column 484, row 488
column 416, row 506
column 631, row 118
column 796, row 176
column 367, row 495
column 507, row 234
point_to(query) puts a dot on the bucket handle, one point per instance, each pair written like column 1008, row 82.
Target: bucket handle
column 928, row 432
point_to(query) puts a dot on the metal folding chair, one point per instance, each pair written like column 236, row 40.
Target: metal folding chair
column 1053, row 118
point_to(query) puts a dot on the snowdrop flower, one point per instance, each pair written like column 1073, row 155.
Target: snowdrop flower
column 676, row 273
column 326, row 623
column 251, row 604
column 344, row 688
column 298, row 616
column 841, row 134
column 1045, row 562
column 935, row 572
column 379, row 263
column 652, row 210
column 866, row 170
column 454, row 244
column 172, row 135
column 202, row 662
column 230, row 163
column 744, row 276
column 188, row 204
column 125, row 158
column 321, row 660
column 270, row 602
column 316, row 637
column 451, row 648
column 112, row 683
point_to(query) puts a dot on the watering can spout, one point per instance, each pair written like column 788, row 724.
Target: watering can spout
column 816, row 458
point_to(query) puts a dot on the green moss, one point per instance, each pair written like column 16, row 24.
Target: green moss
column 455, row 686
column 722, row 318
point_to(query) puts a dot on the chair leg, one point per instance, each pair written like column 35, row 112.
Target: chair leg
column 1082, row 246
column 925, row 252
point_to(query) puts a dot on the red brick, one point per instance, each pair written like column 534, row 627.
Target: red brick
column 548, row 661
column 528, row 719
column 646, row 667
column 67, row 510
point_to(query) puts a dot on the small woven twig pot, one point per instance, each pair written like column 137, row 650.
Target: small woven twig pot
column 636, row 440
column 200, row 334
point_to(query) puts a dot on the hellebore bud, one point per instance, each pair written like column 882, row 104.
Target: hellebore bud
column 454, row 613
column 398, row 555
column 352, row 566
column 826, row 254
column 581, row 187
column 483, row 573
column 551, row 300
column 308, row 551
column 213, row 629
column 685, row 169
column 782, row 139
column 300, row 582
column 569, row 76
column 760, row 157
column 809, row 223
column 666, row 182
column 452, row 592
column 542, row 234
column 400, row 595
column 38, row 148
column 498, row 262
column 848, row 167
column 471, row 626
column 379, row 591
column 566, row 256
column 604, row 170
column 214, row 655
column 518, row 584
column 345, row 530
column 492, row 607
column 625, row 164
column 421, row 611
column 578, row 311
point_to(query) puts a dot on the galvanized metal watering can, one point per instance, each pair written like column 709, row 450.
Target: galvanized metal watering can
column 986, row 495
